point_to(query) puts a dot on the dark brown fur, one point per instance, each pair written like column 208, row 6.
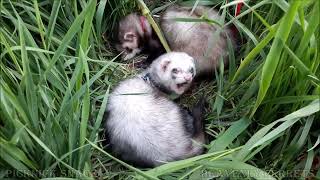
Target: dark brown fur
column 134, row 38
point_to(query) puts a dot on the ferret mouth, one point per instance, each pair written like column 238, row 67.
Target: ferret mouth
column 180, row 85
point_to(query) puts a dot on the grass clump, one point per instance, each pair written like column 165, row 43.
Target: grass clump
column 58, row 65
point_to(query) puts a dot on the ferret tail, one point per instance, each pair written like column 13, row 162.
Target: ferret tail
column 198, row 113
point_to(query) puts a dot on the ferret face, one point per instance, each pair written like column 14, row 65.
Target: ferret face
column 175, row 71
column 133, row 29
column 129, row 44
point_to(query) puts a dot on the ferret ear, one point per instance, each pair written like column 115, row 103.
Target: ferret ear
column 129, row 36
column 164, row 64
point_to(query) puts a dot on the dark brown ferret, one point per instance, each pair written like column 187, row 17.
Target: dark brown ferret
column 135, row 35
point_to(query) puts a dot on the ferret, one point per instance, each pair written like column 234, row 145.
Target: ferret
column 194, row 37
column 145, row 127
column 135, row 35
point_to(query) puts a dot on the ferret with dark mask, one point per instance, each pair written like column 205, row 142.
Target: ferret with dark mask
column 135, row 35
column 144, row 126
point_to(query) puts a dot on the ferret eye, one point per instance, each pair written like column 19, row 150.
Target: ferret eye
column 192, row 71
column 175, row 70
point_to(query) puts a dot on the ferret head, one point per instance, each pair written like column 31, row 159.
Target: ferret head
column 133, row 29
column 175, row 71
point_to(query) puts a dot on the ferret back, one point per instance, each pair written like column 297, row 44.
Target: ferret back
column 200, row 40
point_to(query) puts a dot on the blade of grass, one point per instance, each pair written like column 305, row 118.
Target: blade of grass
column 218, row 103
column 177, row 165
column 99, row 15
column 311, row 28
column 14, row 163
column 230, row 135
column 315, row 144
column 16, row 153
column 40, row 23
column 86, row 100
column 243, row 168
column 87, row 25
column 100, row 115
column 85, row 110
column 294, row 148
column 138, row 171
column 294, row 117
column 252, row 37
column 290, row 99
column 67, row 38
column 145, row 11
column 309, row 161
column 261, row 134
column 301, row 66
column 52, row 21
column 8, row 49
column 28, row 82
column 45, row 147
column 254, row 52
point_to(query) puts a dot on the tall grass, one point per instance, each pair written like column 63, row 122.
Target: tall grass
column 58, row 66
column 51, row 90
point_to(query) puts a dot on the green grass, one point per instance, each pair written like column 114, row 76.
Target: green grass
column 58, row 65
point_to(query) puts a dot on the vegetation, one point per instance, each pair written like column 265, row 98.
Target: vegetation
column 58, row 66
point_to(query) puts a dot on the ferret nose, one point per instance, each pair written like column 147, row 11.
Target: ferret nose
column 188, row 78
